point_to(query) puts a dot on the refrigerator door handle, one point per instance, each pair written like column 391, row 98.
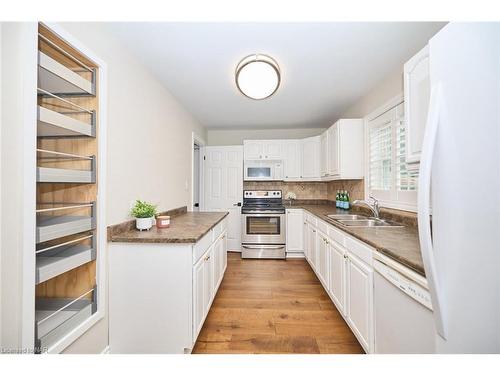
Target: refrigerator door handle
column 424, row 224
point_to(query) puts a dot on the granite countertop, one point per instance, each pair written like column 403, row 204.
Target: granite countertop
column 400, row 244
column 185, row 227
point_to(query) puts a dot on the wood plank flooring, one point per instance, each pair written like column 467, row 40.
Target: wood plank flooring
column 273, row 306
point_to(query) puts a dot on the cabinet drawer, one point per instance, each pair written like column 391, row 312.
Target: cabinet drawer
column 202, row 246
column 311, row 219
column 362, row 251
column 322, row 226
column 336, row 235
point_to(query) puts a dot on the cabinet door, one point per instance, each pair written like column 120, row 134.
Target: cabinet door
column 310, row 158
column 292, row 159
column 294, row 228
column 359, row 300
column 253, row 150
column 224, row 254
column 324, row 153
column 337, row 268
column 198, row 297
column 311, row 237
column 333, row 150
column 321, row 269
column 272, row 150
column 218, row 259
column 305, row 238
column 208, row 274
column 417, row 96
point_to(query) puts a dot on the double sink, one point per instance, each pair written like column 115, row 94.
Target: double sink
column 362, row 221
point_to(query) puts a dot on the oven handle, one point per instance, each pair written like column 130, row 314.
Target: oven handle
column 263, row 247
column 263, row 214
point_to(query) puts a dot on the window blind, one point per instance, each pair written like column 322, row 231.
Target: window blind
column 406, row 180
column 381, row 157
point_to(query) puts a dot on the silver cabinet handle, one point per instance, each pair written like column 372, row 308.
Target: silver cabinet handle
column 207, row 258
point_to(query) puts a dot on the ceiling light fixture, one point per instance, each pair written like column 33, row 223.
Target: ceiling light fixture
column 258, row 76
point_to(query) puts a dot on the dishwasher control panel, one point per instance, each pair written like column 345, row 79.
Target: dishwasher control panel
column 409, row 287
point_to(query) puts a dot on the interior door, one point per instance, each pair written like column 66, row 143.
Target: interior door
column 223, row 175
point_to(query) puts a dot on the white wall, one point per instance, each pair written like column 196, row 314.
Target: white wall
column 386, row 89
column 148, row 144
column 223, row 137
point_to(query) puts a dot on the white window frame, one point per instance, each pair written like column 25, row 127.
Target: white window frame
column 402, row 200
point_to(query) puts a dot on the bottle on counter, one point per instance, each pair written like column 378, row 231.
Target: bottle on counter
column 344, row 198
column 337, row 199
column 347, row 199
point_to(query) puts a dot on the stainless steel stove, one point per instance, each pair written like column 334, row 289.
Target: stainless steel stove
column 263, row 224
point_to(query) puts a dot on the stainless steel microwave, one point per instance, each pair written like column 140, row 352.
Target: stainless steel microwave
column 263, row 170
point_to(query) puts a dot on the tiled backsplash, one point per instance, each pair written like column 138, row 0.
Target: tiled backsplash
column 356, row 188
column 311, row 190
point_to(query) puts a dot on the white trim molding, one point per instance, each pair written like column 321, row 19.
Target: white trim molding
column 388, row 203
column 101, row 189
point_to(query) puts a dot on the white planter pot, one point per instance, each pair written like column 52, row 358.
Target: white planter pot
column 144, row 223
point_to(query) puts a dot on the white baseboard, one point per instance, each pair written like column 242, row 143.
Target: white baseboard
column 105, row 350
column 295, row 255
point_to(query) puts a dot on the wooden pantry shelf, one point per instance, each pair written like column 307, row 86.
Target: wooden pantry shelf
column 56, row 317
column 51, row 168
column 51, row 225
column 57, row 79
column 55, row 260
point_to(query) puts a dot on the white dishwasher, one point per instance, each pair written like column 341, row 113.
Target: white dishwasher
column 403, row 310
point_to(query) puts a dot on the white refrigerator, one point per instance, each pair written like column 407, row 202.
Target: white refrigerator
column 460, row 180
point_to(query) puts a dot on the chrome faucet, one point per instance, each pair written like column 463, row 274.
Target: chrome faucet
column 375, row 208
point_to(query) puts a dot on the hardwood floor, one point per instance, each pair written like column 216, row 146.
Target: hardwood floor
column 273, row 306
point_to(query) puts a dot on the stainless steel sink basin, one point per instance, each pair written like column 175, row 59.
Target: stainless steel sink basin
column 347, row 217
column 369, row 223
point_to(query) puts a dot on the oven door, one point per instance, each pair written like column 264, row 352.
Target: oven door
column 263, row 228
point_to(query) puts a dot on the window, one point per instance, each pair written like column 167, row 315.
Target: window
column 391, row 180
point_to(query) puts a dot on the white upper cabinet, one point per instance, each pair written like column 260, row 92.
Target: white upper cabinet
column 292, row 159
column 253, row 150
column 333, row 150
column 310, row 158
column 272, row 150
column 324, row 154
column 337, row 154
column 345, row 150
column 417, row 96
column 262, row 149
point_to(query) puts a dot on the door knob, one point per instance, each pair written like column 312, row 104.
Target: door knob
column 237, row 204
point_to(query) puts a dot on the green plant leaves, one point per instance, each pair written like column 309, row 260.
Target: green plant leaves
column 143, row 209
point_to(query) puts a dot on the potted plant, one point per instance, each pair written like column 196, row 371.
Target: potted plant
column 144, row 214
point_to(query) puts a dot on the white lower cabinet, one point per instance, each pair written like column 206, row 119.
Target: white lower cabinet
column 173, row 287
column 198, row 295
column 343, row 266
column 207, row 276
column 337, row 266
column 360, row 300
column 322, row 263
column 294, row 231
column 311, row 240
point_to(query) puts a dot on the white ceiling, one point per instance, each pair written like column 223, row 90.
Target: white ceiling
column 325, row 67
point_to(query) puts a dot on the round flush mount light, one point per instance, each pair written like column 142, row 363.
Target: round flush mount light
column 258, row 76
